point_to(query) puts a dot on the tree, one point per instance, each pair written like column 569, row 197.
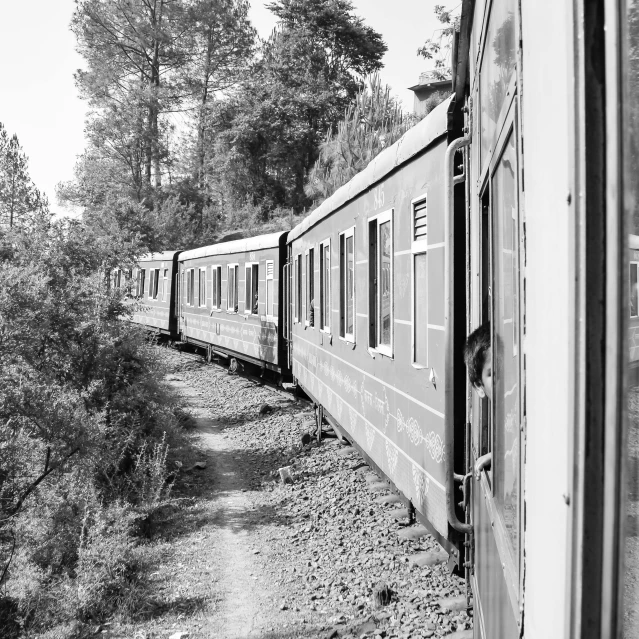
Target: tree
column 308, row 71
column 439, row 47
column 372, row 122
column 18, row 195
column 132, row 48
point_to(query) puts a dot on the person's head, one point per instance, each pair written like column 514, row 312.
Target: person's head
column 478, row 358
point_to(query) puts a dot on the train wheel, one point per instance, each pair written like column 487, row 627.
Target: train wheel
column 233, row 366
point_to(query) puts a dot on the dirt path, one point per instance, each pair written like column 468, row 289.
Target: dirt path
column 238, row 555
column 237, row 593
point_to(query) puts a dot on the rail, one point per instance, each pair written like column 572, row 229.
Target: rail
column 450, row 180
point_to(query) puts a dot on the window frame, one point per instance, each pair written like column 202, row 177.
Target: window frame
column 343, row 286
column 165, row 279
column 387, row 350
column 633, row 264
column 418, row 247
column 299, row 289
column 216, row 287
column 200, row 281
column 325, row 287
column 190, row 287
column 249, row 267
column 235, row 266
column 269, row 316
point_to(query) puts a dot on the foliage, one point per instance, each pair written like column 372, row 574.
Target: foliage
column 18, row 194
column 308, row 72
column 438, row 48
column 84, row 424
column 372, row 122
column 251, row 119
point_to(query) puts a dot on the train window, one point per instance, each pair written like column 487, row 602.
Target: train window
column 202, row 287
column 498, row 64
column 325, row 286
column 269, row 289
column 154, row 283
column 151, row 282
column 189, row 287
column 139, row 284
column 634, row 308
column 298, row 288
column 310, row 291
column 216, row 286
column 420, row 282
column 380, row 232
column 505, row 351
column 231, row 288
column 165, row 284
column 347, row 285
column 307, row 283
column 251, row 287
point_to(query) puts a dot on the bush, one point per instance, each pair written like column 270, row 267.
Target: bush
column 86, row 429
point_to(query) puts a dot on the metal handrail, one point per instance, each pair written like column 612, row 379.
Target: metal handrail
column 450, row 180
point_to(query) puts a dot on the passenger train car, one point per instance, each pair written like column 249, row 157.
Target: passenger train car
column 229, row 299
column 514, row 203
column 369, row 327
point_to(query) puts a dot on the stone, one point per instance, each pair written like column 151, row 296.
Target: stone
column 265, row 409
column 399, row 513
column 179, row 635
column 382, row 594
column 346, row 451
column 285, row 475
column 367, row 628
column 379, row 485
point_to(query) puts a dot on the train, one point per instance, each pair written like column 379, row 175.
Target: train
column 512, row 204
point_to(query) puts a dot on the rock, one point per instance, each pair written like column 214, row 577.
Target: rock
column 378, row 485
column 382, row 594
column 367, row 628
column 265, row 409
column 179, row 635
column 285, row 475
column 333, row 635
column 306, row 439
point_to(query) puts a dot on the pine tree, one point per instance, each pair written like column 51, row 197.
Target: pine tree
column 18, row 194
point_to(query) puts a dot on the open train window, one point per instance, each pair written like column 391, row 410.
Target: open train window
column 202, row 287
column 347, row 285
column 269, row 289
column 216, row 286
column 251, row 287
column 154, row 283
column 139, row 283
column 190, row 287
column 380, row 238
column 165, row 284
column 231, row 288
column 325, row 286
column 310, row 287
column 419, row 271
column 298, row 288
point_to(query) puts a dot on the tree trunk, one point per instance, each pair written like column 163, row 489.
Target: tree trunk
column 201, row 129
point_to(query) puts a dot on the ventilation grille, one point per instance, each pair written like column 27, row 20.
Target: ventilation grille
column 420, row 231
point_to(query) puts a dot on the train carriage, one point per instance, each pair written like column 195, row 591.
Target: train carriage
column 230, row 297
column 153, row 286
column 369, row 324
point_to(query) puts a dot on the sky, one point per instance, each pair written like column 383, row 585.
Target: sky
column 39, row 101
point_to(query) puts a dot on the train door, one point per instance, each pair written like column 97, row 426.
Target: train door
column 497, row 420
column 286, row 311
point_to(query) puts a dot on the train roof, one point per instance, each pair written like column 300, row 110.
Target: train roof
column 236, row 246
column 415, row 140
column 158, row 257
